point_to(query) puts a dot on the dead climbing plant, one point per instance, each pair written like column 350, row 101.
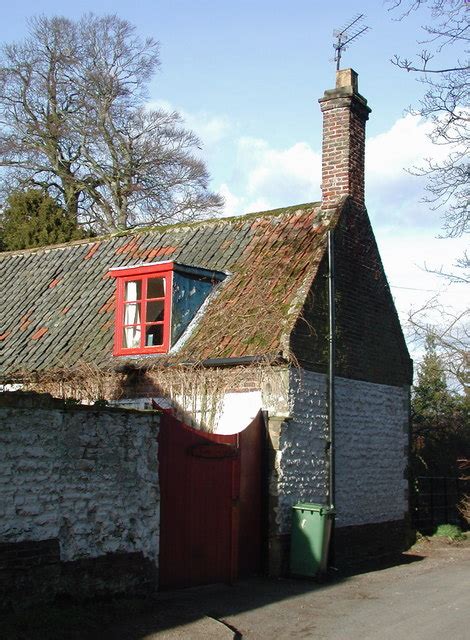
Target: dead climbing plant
column 195, row 392
column 84, row 382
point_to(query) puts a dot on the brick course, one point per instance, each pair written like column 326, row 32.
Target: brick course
column 345, row 113
column 370, row 344
column 357, row 545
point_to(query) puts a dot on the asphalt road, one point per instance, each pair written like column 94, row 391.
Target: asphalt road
column 425, row 598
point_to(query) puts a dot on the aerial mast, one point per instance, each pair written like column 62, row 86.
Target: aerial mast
column 346, row 35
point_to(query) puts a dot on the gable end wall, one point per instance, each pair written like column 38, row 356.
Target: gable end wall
column 370, row 447
column 371, row 498
column 369, row 341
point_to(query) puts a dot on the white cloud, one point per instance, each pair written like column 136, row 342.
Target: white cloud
column 409, row 260
column 232, row 203
column 269, row 178
column 405, row 260
column 262, row 175
column 296, row 167
column 394, row 196
column 259, row 204
column 405, row 144
column 407, row 228
column 211, row 129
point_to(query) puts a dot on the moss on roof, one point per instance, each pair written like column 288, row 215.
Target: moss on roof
column 58, row 302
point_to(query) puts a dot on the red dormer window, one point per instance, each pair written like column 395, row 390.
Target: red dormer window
column 143, row 310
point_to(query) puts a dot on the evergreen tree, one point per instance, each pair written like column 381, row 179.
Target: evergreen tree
column 33, row 219
column 440, row 428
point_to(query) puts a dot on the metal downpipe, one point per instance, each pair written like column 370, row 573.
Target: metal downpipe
column 331, row 372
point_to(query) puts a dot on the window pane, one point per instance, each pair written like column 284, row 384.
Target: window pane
column 155, row 311
column 156, row 288
column 154, row 335
column 131, row 337
column 132, row 313
column 133, row 290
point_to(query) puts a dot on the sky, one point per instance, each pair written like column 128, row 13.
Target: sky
column 247, row 75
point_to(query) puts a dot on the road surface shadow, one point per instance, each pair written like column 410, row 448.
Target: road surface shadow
column 136, row 619
column 378, row 564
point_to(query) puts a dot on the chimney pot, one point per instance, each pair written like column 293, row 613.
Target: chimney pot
column 347, row 79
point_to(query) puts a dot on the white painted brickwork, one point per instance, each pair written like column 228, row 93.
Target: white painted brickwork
column 371, row 440
column 88, row 478
column 371, row 424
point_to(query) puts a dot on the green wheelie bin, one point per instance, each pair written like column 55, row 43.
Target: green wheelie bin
column 310, row 538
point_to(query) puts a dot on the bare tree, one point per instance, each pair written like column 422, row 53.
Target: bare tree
column 145, row 170
column 449, row 331
column 73, row 120
column 445, row 104
column 459, row 274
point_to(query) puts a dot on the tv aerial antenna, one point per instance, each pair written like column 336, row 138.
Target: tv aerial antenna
column 346, row 35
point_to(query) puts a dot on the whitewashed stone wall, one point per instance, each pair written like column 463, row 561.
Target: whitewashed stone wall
column 302, row 465
column 87, row 477
column 370, row 439
column 371, row 459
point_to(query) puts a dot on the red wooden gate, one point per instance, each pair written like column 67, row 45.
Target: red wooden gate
column 210, row 510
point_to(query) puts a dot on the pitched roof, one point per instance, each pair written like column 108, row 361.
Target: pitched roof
column 58, row 302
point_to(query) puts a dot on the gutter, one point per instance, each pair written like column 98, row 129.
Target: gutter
column 138, row 363
column 227, row 362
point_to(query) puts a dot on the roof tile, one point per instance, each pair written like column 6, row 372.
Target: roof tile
column 63, row 311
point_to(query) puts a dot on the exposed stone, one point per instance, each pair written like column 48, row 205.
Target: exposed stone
column 81, row 480
column 371, row 430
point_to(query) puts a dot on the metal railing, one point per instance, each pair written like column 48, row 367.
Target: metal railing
column 435, row 501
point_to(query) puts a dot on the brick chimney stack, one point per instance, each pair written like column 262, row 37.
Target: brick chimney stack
column 345, row 113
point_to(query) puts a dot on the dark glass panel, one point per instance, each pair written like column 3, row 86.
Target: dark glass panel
column 154, row 335
column 155, row 311
column 156, row 288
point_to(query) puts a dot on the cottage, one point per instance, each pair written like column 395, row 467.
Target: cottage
column 218, row 320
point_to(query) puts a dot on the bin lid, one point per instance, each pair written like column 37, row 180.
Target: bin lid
column 311, row 506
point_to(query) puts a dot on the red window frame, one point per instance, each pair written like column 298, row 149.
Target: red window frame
column 142, row 273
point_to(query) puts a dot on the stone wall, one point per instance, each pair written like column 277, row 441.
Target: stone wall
column 371, row 459
column 303, row 467
column 79, row 497
column 371, row 453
